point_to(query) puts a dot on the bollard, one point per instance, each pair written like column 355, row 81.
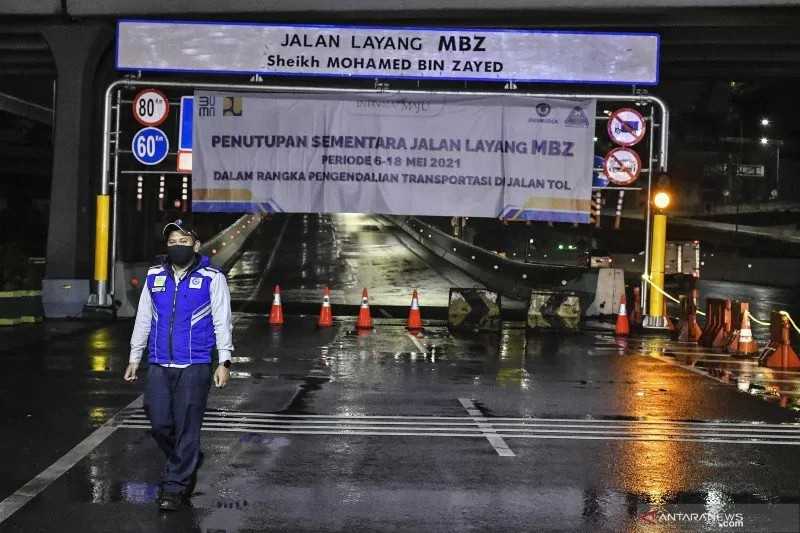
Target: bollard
column 636, row 308
column 741, row 341
column 712, row 322
column 690, row 330
column 667, row 319
column 718, row 323
column 779, row 353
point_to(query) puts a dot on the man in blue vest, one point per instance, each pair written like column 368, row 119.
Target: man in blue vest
column 184, row 313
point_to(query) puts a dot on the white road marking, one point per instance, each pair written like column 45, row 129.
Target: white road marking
column 469, row 423
column 495, row 429
column 754, row 423
column 417, row 343
column 427, row 433
column 35, row 486
column 496, row 441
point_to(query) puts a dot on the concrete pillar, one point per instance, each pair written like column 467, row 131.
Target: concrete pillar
column 77, row 49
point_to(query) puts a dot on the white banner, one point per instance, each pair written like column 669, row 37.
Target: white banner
column 503, row 156
column 386, row 52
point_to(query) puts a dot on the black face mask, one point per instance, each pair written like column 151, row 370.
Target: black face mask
column 180, row 255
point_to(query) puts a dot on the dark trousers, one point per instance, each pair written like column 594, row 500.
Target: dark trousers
column 175, row 401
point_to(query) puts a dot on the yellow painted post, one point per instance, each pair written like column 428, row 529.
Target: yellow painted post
column 101, row 245
column 657, row 260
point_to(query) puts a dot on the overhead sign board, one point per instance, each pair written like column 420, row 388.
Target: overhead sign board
column 388, row 52
column 626, row 127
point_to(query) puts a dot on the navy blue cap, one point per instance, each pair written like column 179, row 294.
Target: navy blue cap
column 179, row 225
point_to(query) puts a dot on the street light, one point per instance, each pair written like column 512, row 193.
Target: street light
column 661, row 200
column 765, row 122
column 777, row 143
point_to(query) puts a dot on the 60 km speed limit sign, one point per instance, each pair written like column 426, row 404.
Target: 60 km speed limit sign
column 150, row 146
column 150, row 107
column 622, row 166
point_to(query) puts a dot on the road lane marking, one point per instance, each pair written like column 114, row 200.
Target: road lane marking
column 754, row 423
column 469, row 423
column 38, row 484
column 427, row 433
column 496, row 441
column 495, row 429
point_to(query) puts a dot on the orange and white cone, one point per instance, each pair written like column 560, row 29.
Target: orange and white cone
column 364, row 317
column 623, row 328
column 414, row 317
column 276, row 313
column 325, row 313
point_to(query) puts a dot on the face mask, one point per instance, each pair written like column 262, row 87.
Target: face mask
column 180, row 255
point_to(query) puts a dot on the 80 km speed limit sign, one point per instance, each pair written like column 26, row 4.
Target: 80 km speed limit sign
column 150, row 107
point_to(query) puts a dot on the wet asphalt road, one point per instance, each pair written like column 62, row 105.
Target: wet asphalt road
column 329, row 430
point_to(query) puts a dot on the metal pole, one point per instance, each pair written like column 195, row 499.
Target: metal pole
column 644, row 286
column 101, row 243
column 656, row 311
column 104, row 177
column 778, row 169
column 115, row 202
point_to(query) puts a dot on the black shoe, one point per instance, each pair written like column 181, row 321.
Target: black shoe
column 170, row 501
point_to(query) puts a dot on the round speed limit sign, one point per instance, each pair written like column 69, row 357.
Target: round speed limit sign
column 150, row 146
column 150, row 107
column 622, row 166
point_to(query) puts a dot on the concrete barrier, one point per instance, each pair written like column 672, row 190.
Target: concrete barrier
column 20, row 307
column 554, row 310
column 472, row 310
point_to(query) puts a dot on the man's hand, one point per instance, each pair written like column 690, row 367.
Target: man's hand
column 221, row 376
column 130, row 372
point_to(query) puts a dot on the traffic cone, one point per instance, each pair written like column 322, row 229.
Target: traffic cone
column 364, row 318
column 622, row 328
column 414, row 317
column 326, row 314
column 276, row 313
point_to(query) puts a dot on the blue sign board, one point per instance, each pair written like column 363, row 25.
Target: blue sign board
column 185, row 127
column 150, row 146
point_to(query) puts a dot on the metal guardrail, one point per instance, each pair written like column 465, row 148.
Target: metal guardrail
column 513, row 279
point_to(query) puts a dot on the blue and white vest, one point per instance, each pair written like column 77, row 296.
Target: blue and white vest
column 182, row 329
